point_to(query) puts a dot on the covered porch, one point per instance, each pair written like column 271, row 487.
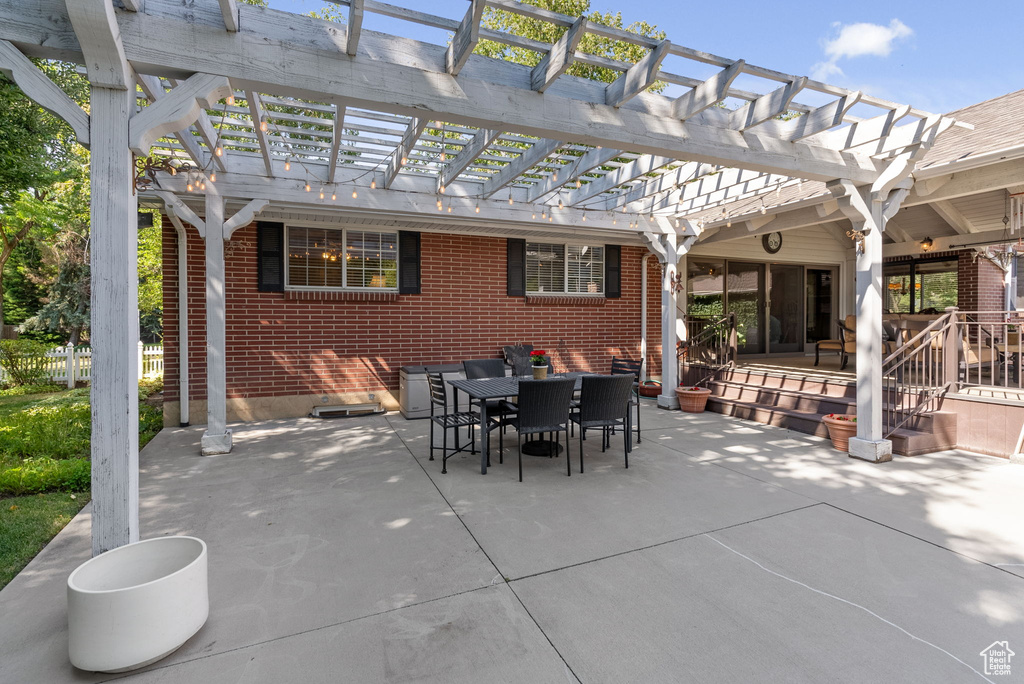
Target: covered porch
column 728, row 550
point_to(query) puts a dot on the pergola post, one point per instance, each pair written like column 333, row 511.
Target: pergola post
column 870, row 444
column 868, row 209
column 115, row 323
column 669, row 247
column 217, row 438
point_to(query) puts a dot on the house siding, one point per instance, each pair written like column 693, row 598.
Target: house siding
column 285, row 351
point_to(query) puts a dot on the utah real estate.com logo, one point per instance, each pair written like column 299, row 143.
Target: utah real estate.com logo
column 997, row 658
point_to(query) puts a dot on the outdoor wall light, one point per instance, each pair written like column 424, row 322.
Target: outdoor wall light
column 926, row 244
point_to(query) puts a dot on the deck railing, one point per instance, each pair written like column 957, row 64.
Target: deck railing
column 993, row 349
column 710, row 347
column 920, row 371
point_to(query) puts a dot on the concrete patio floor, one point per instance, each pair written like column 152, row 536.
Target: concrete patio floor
column 728, row 552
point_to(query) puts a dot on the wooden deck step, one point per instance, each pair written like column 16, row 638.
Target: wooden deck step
column 798, row 400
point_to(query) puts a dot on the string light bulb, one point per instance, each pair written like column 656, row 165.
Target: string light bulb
column 231, row 100
column 584, row 217
column 202, row 185
column 373, row 183
column 263, row 125
column 287, row 165
column 355, row 194
column 321, row 193
column 334, row 195
column 219, row 151
column 308, row 188
column 477, row 209
column 213, row 176
column 189, row 186
column 554, row 176
column 441, row 189
column 578, row 184
column 560, row 204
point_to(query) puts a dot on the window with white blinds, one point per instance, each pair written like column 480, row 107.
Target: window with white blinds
column 564, row 269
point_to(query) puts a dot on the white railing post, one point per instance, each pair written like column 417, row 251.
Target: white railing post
column 142, row 369
column 69, row 365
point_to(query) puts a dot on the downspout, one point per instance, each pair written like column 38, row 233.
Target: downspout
column 643, row 315
column 179, row 230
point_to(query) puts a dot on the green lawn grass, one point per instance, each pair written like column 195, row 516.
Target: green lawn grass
column 28, row 523
column 44, row 465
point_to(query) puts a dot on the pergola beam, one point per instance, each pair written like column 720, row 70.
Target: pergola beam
column 559, row 58
column 265, row 56
column 639, row 78
column 465, row 39
column 178, row 110
column 401, row 154
column 258, row 119
column 355, row 26
column 229, row 10
column 613, row 179
column 338, row 133
column 708, row 93
column 42, row 90
column 469, row 152
column 154, row 91
column 590, row 160
column 99, row 39
column 813, row 122
column 765, row 107
column 954, row 217
column 526, row 161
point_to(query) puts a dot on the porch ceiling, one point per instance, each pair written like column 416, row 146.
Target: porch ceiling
column 433, row 128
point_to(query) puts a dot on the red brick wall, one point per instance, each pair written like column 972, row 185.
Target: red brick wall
column 279, row 346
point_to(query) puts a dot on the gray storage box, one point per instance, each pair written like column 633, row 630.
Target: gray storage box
column 413, row 390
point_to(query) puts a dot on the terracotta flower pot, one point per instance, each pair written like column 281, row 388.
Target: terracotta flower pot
column 693, row 399
column 841, row 427
column 650, row 388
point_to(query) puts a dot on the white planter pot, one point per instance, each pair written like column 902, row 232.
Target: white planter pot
column 135, row 604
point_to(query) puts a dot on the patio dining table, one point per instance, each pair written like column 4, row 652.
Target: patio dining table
column 496, row 388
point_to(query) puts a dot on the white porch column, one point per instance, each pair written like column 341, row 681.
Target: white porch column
column 868, row 209
column 217, row 438
column 115, row 323
column 669, row 245
column 669, row 366
column 869, row 442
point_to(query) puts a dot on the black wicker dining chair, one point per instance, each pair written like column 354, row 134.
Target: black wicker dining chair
column 634, row 368
column 604, row 403
column 543, row 407
column 448, row 420
column 498, row 410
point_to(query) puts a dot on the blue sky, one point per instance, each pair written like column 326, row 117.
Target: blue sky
column 938, row 56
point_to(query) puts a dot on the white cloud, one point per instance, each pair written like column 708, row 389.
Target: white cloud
column 823, row 71
column 859, row 40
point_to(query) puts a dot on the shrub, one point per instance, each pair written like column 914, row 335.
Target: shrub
column 24, row 361
column 57, row 427
column 150, row 385
column 36, row 475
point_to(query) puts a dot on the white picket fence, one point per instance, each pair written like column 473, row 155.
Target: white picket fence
column 68, row 364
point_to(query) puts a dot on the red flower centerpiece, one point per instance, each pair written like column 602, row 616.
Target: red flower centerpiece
column 540, row 364
column 692, row 399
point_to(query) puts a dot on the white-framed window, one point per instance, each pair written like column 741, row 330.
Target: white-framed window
column 553, row 268
column 341, row 259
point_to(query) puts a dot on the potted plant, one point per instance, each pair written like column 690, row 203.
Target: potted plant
column 692, row 399
column 539, row 363
column 841, row 427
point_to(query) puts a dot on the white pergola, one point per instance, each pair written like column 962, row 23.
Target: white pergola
column 249, row 110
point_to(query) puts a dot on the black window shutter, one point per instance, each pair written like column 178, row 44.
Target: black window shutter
column 612, row 271
column 270, row 256
column 516, row 268
column 408, row 262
